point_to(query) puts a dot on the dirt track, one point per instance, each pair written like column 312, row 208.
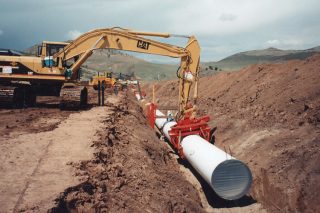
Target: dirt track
column 35, row 166
column 269, row 117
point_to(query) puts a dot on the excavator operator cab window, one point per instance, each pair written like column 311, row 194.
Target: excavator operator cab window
column 52, row 49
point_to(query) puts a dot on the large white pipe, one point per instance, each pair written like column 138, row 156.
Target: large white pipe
column 160, row 122
column 229, row 178
column 138, row 96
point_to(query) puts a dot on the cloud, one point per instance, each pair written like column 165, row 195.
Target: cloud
column 287, row 43
column 224, row 17
column 223, row 27
column 227, row 17
column 73, row 34
column 1, row 32
column 273, row 42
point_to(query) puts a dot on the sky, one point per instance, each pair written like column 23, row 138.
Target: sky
column 222, row 27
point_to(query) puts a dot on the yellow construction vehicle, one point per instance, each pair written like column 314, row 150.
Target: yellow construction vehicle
column 25, row 77
column 22, row 78
column 104, row 78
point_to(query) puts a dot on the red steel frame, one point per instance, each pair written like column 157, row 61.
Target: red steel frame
column 183, row 128
column 187, row 126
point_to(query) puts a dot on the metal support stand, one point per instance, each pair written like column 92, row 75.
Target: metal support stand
column 99, row 93
column 102, row 92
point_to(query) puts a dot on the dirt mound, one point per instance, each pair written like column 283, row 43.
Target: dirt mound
column 131, row 171
column 269, row 117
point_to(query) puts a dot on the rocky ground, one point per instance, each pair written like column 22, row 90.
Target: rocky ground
column 269, row 117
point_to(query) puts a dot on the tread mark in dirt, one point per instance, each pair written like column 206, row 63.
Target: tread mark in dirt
column 15, row 209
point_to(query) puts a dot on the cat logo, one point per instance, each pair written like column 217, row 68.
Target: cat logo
column 14, row 64
column 143, row 44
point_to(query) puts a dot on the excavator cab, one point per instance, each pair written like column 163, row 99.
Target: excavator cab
column 46, row 51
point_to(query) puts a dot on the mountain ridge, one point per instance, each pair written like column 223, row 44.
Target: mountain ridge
column 246, row 58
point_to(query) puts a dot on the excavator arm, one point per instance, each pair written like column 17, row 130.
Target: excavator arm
column 123, row 39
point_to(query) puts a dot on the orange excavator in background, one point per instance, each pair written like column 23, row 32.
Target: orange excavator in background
column 55, row 71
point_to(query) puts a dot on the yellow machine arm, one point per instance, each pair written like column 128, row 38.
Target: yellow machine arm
column 123, row 39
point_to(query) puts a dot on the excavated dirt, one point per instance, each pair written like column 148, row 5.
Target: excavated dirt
column 269, row 117
column 132, row 171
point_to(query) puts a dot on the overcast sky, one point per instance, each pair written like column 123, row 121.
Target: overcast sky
column 223, row 27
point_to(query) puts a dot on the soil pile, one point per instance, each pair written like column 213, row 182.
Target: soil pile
column 268, row 115
column 131, row 171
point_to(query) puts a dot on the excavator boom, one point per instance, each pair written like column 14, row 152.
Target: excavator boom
column 122, row 39
column 53, row 61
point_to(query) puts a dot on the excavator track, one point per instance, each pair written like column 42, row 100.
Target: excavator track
column 73, row 97
column 19, row 96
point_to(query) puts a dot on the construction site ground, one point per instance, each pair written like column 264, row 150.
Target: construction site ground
column 107, row 159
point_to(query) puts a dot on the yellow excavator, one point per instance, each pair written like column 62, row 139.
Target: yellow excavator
column 55, row 71
column 22, row 78
column 104, row 78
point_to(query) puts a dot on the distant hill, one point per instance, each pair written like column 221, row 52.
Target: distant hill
column 118, row 62
column 243, row 59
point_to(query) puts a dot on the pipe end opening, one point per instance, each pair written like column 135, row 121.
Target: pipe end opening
column 231, row 179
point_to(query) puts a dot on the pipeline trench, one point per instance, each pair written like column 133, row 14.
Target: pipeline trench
column 132, row 171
